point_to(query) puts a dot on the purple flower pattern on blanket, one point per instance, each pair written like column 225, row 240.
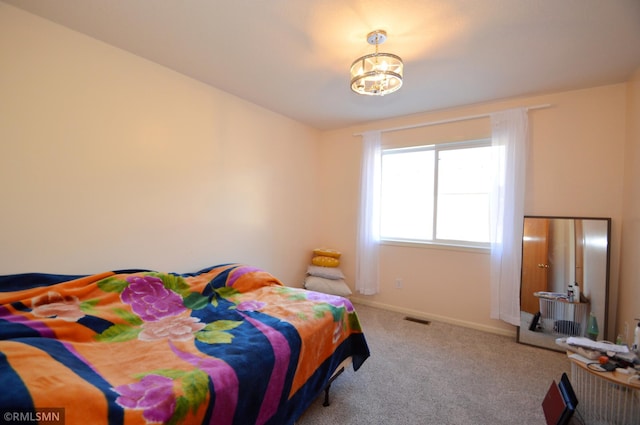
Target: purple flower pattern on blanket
column 251, row 305
column 153, row 394
column 159, row 312
column 334, row 300
column 150, row 300
column 161, row 308
column 333, row 303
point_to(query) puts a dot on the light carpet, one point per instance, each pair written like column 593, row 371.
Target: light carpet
column 439, row 374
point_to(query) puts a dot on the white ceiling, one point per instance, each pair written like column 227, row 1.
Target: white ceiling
column 293, row 56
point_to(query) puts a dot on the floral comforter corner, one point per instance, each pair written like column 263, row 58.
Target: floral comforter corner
column 226, row 345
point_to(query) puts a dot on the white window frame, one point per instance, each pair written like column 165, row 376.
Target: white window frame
column 475, row 143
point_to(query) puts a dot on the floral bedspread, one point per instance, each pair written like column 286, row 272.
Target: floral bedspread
column 226, row 345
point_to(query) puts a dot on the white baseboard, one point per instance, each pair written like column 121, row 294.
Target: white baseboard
column 435, row 317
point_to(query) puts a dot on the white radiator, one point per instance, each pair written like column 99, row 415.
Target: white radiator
column 602, row 401
column 564, row 318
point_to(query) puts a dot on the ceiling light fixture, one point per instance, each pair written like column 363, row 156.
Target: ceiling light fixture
column 376, row 74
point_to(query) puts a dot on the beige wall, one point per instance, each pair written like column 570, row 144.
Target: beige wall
column 575, row 168
column 109, row 161
column 629, row 306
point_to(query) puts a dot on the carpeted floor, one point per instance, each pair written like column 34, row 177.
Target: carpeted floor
column 439, row 374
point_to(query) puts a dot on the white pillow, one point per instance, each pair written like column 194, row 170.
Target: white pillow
column 326, row 272
column 327, row 286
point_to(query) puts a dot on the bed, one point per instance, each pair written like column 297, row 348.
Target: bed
column 229, row 344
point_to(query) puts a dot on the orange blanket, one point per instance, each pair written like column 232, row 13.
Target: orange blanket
column 226, row 345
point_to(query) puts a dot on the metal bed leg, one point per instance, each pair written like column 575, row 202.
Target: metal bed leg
column 328, row 387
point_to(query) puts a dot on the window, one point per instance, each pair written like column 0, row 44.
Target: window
column 437, row 193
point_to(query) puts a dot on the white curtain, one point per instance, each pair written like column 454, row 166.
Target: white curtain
column 367, row 252
column 510, row 143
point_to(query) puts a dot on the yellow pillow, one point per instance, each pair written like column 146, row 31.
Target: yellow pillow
column 324, row 261
column 326, row 252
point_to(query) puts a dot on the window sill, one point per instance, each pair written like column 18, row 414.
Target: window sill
column 439, row 246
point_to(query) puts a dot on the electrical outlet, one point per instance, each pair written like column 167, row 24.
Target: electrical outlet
column 398, row 282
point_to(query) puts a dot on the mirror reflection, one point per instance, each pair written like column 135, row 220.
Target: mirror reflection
column 565, row 277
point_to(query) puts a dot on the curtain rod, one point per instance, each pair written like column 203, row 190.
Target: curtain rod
column 450, row 120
